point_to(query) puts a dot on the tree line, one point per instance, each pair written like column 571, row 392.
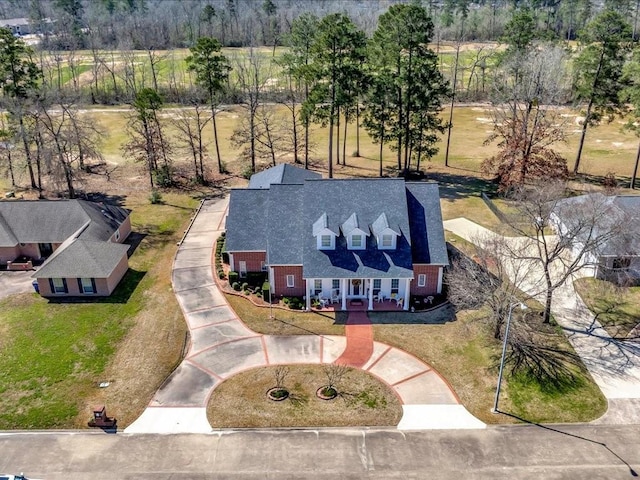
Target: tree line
column 332, row 74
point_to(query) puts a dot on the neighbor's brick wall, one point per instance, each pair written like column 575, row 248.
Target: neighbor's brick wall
column 431, row 285
column 124, row 229
column 7, row 254
column 280, row 281
column 108, row 285
column 254, row 260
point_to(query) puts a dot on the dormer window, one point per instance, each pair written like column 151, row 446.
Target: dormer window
column 385, row 235
column 325, row 237
column 356, row 237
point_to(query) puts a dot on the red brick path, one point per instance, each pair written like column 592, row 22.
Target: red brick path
column 359, row 333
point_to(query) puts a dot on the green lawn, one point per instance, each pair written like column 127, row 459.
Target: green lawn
column 53, row 354
column 616, row 308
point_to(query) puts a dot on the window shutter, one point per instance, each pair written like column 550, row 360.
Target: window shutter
column 80, row 289
column 93, row 285
column 64, row 282
column 53, row 290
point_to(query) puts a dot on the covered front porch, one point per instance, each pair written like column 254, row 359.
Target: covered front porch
column 358, row 293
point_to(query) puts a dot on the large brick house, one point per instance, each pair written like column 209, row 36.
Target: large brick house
column 78, row 244
column 365, row 239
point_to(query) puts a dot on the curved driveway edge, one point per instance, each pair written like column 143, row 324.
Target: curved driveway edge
column 222, row 346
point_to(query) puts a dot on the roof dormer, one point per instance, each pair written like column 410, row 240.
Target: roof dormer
column 325, row 237
column 386, row 237
column 356, row 236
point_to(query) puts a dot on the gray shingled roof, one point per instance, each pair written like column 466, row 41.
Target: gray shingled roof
column 281, row 220
column 282, row 174
column 425, row 220
column 614, row 210
column 54, row 221
column 368, row 199
column 247, row 221
column 286, row 227
column 83, row 259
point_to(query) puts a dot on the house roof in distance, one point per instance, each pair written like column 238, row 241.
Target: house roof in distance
column 281, row 174
column 612, row 210
column 54, row 221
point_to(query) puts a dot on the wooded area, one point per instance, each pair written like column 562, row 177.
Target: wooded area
column 388, row 67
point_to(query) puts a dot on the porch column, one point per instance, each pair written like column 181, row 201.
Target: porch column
column 370, row 283
column 343, row 289
column 407, row 294
column 440, row 270
column 308, row 295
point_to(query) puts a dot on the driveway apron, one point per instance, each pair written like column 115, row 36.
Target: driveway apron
column 222, row 346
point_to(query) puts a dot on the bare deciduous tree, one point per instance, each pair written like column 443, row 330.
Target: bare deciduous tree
column 526, row 123
column 561, row 236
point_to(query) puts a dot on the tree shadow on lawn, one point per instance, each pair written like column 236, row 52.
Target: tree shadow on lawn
column 121, row 294
column 98, row 197
column 455, row 187
column 437, row 316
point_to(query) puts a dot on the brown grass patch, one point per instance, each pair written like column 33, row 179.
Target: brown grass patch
column 363, row 400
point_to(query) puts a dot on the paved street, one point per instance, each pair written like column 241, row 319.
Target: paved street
column 514, row 452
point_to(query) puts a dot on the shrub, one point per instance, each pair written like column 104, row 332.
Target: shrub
column 155, row 197
column 234, row 277
column 235, row 286
column 265, row 290
column 256, row 279
column 294, row 303
column 245, row 286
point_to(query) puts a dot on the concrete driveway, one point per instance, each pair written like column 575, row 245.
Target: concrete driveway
column 222, row 346
column 12, row 283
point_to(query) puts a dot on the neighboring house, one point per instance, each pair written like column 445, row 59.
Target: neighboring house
column 18, row 26
column 616, row 257
column 79, row 244
column 345, row 239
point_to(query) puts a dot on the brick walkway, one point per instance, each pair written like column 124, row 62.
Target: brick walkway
column 359, row 333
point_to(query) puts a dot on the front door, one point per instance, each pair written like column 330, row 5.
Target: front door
column 356, row 287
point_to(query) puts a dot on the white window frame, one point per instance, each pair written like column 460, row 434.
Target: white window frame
column 396, row 282
column 422, row 280
column 353, row 243
column 291, row 281
column 326, row 241
column 387, row 240
column 317, row 286
column 263, row 266
column 242, row 268
column 87, row 288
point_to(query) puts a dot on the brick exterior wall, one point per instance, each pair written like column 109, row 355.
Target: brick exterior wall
column 124, row 229
column 280, row 281
column 254, row 260
column 104, row 286
column 8, row 254
column 431, row 285
column 112, row 282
